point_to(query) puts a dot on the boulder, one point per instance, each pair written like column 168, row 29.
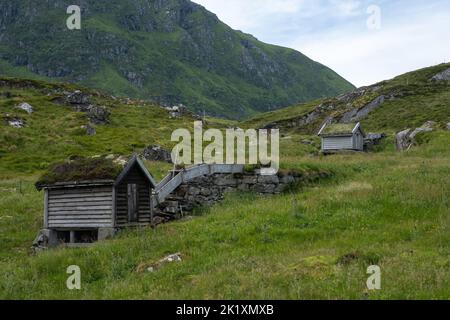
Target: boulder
column 26, row 107
column 373, row 139
column 177, row 111
column 90, row 130
column 98, row 114
column 406, row 138
column 152, row 267
column 448, row 126
column 78, row 97
column 15, row 122
column 157, row 153
column 402, row 139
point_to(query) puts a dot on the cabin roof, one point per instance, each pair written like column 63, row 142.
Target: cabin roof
column 135, row 161
column 89, row 172
column 339, row 129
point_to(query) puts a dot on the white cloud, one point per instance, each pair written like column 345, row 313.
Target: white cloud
column 366, row 57
column 413, row 34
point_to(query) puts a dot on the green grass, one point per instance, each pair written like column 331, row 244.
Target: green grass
column 313, row 243
column 53, row 132
column 416, row 101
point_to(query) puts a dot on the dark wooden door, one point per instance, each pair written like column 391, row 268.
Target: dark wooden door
column 133, row 203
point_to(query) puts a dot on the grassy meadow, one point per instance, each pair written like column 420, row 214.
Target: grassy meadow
column 313, row 242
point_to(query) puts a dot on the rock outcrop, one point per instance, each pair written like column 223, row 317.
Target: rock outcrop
column 442, row 76
column 157, row 153
column 406, row 138
column 26, row 107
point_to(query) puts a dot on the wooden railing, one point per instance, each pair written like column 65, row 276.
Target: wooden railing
column 174, row 179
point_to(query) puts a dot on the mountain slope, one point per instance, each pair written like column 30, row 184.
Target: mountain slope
column 171, row 51
column 406, row 101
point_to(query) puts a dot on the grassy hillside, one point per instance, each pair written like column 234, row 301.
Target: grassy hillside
column 312, row 242
column 54, row 131
column 171, row 51
column 410, row 100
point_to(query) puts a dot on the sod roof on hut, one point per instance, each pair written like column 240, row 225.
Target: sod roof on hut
column 339, row 129
column 80, row 169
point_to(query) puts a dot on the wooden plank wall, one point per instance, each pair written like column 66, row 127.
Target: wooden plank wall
column 80, row 207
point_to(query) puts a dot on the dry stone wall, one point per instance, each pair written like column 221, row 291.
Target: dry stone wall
column 205, row 191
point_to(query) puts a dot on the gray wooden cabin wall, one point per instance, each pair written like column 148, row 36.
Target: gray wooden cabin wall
column 80, row 207
column 134, row 176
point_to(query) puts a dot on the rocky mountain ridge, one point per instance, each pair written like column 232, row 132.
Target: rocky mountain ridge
column 169, row 51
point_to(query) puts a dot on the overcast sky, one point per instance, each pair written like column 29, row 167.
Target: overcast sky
column 346, row 35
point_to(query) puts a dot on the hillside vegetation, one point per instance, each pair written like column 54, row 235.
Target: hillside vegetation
column 406, row 101
column 170, row 51
column 311, row 243
column 314, row 241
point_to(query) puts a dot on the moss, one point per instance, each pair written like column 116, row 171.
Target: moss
column 339, row 128
column 80, row 169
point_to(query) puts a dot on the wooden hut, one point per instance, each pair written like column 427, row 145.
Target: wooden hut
column 87, row 210
column 342, row 136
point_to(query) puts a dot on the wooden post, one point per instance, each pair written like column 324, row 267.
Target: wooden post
column 72, row 236
column 113, row 213
column 45, row 208
column 151, row 205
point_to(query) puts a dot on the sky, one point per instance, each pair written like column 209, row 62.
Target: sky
column 364, row 41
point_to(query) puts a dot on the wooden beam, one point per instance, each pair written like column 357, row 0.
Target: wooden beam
column 45, row 208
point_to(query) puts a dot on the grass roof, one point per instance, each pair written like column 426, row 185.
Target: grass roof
column 80, row 169
column 339, row 128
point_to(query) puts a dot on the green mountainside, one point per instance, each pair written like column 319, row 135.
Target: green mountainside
column 315, row 241
column 406, row 101
column 168, row 51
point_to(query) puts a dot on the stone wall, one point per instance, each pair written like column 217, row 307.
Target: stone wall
column 207, row 190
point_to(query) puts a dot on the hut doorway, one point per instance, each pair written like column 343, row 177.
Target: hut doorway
column 133, row 202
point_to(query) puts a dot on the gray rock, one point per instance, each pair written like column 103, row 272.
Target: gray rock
column 157, row 153
column 205, row 192
column 169, row 259
column 269, row 179
column 358, row 114
column 402, row 139
column 250, row 179
column 98, row 114
column 26, row 107
column 448, row 126
column 16, row 123
column 264, row 188
column 90, row 130
column 442, row 76
column 287, row 179
column 373, row 139
column 225, row 181
column 406, row 138
column 78, row 97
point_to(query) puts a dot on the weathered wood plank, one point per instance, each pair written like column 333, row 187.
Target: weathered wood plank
column 81, row 208
column 45, row 208
column 78, row 219
column 80, row 225
column 82, row 199
column 79, row 212
column 79, row 195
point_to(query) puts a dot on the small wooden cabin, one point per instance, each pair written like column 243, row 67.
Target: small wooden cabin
column 342, row 136
column 84, row 211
